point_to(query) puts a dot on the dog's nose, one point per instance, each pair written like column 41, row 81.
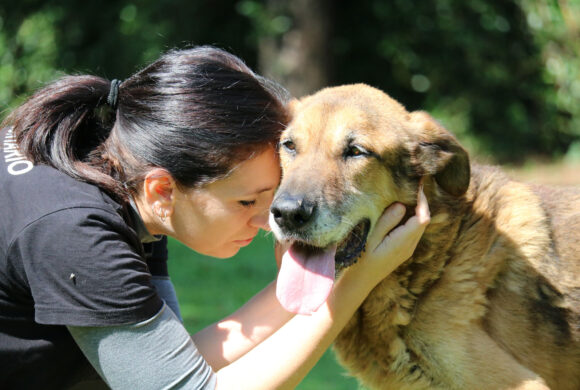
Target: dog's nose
column 292, row 212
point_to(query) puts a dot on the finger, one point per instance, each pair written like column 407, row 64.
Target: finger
column 415, row 226
column 405, row 234
column 386, row 222
column 399, row 245
column 422, row 209
column 408, row 234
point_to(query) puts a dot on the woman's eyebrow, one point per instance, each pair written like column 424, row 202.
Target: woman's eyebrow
column 260, row 190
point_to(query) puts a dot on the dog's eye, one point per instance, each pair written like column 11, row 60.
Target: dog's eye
column 355, row 151
column 288, row 145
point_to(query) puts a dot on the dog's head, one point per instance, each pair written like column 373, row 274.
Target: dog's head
column 348, row 153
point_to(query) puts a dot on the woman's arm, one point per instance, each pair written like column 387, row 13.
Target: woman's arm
column 238, row 333
column 156, row 354
column 225, row 341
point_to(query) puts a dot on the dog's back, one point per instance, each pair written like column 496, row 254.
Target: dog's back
column 534, row 305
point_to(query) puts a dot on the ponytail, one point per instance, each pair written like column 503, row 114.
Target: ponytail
column 63, row 124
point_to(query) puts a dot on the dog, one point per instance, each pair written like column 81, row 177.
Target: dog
column 490, row 298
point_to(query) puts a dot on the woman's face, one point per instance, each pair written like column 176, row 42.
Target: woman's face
column 222, row 217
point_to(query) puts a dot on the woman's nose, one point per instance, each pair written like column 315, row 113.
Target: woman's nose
column 260, row 220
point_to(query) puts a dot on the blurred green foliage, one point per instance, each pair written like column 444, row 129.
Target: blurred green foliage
column 40, row 40
column 503, row 75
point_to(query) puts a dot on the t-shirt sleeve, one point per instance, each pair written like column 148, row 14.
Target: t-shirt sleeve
column 155, row 354
column 85, row 267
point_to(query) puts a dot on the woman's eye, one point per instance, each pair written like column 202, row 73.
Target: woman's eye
column 247, row 203
column 355, row 151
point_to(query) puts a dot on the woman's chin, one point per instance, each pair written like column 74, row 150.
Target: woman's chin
column 223, row 253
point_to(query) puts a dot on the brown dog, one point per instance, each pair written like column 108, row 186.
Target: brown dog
column 491, row 297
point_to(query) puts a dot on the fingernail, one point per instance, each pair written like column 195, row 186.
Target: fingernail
column 399, row 210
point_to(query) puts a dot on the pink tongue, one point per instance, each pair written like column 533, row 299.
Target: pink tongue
column 305, row 280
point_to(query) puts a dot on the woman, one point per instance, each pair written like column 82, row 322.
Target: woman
column 91, row 169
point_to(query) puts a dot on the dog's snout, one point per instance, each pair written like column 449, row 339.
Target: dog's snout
column 292, row 212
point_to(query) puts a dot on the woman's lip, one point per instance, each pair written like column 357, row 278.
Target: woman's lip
column 244, row 242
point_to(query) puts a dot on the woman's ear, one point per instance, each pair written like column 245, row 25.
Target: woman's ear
column 438, row 153
column 159, row 191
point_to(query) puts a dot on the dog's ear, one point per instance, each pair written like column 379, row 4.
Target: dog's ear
column 438, row 153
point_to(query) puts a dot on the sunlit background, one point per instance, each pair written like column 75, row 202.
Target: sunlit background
column 502, row 75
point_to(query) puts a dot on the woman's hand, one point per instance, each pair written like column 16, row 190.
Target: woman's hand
column 387, row 248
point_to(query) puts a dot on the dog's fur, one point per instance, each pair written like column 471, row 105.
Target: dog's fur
column 490, row 298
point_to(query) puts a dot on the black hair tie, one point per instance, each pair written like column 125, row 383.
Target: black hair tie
column 113, row 93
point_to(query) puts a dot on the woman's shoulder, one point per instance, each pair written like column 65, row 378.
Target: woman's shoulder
column 42, row 191
column 40, row 187
column 45, row 189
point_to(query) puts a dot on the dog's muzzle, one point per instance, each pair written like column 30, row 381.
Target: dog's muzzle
column 294, row 216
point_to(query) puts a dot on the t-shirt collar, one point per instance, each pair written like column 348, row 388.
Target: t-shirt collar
column 140, row 227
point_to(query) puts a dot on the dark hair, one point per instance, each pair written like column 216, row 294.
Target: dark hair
column 194, row 112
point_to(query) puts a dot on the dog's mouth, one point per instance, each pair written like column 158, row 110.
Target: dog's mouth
column 307, row 272
column 350, row 249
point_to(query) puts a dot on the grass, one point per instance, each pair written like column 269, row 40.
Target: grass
column 209, row 289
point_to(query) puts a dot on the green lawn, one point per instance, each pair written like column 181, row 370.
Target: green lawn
column 209, row 289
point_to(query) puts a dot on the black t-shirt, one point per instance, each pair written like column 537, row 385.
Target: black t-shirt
column 69, row 255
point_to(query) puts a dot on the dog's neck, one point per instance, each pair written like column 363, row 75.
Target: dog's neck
column 451, row 217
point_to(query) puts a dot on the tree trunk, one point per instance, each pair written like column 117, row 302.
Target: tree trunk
column 298, row 59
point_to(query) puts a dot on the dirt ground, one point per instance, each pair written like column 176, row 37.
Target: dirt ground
column 558, row 173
